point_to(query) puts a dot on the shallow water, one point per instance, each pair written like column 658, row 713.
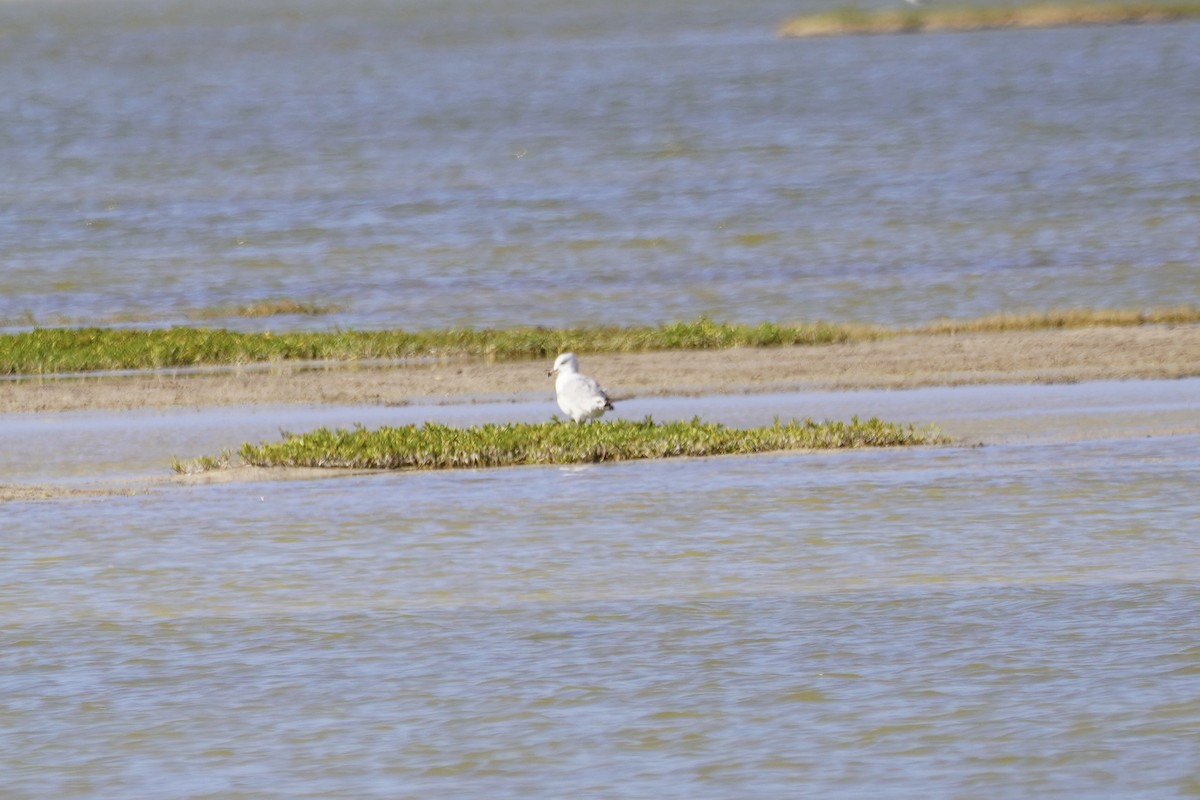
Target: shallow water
column 77, row 447
column 424, row 164
column 1014, row 620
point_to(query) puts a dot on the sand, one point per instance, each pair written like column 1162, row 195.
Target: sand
column 1047, row 356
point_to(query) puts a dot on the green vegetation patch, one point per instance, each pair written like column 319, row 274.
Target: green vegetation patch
column 1064, row 318
column 44, row 351
column 853, row 20
column 435, row 446
column 54, row 350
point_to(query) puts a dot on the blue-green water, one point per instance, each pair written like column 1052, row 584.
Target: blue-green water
column 449, row 162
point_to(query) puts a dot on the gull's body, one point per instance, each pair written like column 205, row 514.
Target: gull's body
column 579, row 396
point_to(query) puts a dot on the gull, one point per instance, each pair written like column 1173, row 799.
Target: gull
column 579, row 396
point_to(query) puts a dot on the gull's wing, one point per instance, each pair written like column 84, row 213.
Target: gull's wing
column 580, row 394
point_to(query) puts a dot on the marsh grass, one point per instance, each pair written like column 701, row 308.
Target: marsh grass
column 1064, row 318
column 436, row 446
column 43, row 351
column 195, row 466
column 852, row 20
column 58, row 350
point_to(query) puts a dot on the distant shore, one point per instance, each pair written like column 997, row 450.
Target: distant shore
column 1018, row 356
column 920, row 19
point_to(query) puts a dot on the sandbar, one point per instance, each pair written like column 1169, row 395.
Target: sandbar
column 1039, row 356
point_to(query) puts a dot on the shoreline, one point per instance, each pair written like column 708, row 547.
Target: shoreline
column 854, row 21
column 906, row 361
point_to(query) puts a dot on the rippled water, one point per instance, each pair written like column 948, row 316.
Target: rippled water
column 1016, row 620
column 426, row 163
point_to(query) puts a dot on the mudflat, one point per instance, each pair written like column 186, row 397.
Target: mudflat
column 1023, row 356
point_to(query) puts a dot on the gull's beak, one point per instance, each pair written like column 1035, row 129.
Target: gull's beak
column 550, row 374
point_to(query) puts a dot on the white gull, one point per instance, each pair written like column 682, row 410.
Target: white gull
column 579, row 396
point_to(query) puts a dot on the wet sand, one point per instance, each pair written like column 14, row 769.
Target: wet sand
column 1049, row 356
column 130, row 487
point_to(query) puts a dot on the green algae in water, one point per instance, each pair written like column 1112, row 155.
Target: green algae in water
column 437, row 446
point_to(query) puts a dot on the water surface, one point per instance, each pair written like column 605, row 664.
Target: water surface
column 424, row 164
column 1013, row 620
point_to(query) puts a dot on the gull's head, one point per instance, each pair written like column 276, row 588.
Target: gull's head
column 565, row 363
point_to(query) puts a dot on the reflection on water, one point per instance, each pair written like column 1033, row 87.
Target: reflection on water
column 1014, row 620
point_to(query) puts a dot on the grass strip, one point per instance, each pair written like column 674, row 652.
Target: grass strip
column 56, row 350
column 854, row 20
column 1064, row 318
column 44, row 351
column 436, row 446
